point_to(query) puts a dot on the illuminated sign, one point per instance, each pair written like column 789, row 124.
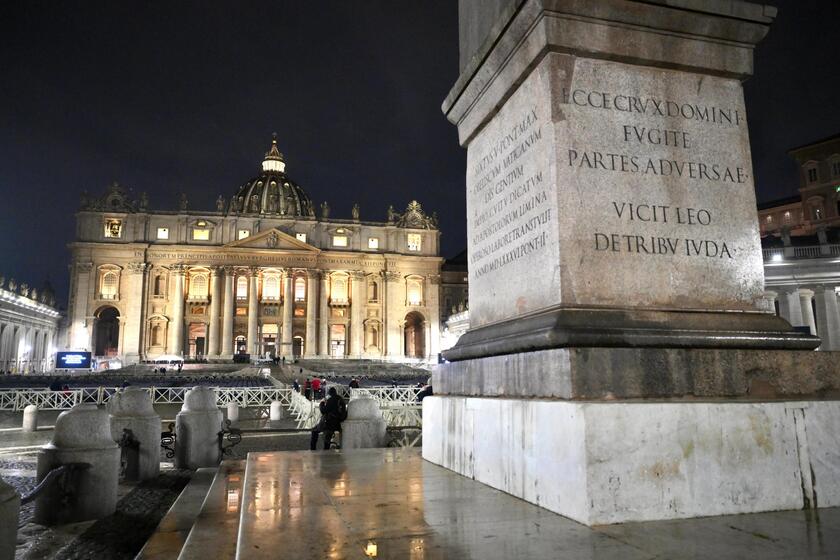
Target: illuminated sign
column 72, row 360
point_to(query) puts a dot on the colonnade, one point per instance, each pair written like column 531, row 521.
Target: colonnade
column 814, row 307
column 26, row 348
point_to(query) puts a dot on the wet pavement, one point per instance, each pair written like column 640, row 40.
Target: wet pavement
column 389, row 503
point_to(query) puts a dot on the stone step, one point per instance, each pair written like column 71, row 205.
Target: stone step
column 171, row 533
column 214, row 532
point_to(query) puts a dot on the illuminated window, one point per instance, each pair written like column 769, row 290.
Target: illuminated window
column 373, row 291
column 373, row 243
column 415, row 292
column 201, row 234
column 271, row 288
column 243, row 233
column 414, row 241
column 787, row 217
column 300, row 237
column 113, row 228
column 339, row 290
column 339, row 241
column 163, row 233
column 241, row 287
column 769, row 219
column 300, row 289
column 198, row 286
column 812, row 175
column 110, row 284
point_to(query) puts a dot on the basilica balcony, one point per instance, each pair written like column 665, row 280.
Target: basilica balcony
column 339, row 302
column 192, row 298
column 270, row 299
column 110, row 297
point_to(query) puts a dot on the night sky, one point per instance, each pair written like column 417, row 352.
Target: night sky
column 169, row 97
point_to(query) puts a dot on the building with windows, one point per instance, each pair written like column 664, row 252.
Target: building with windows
column 29, row 327
column 261, row 275
column 800, row 238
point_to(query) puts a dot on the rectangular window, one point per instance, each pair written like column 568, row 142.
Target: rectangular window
column 812, row 175
column 835, row 168
column 163, row 233
column 113, row 228
column 414, row 241
column 373, row 243
column 243, row 233
column 300, row 237
column 339, row 241
column 200, row 234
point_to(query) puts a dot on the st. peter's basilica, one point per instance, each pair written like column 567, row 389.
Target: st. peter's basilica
column 260, row 275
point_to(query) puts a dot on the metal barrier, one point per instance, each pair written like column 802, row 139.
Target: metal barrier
column 389, row 395
column 46, row 399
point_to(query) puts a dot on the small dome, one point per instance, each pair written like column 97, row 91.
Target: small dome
column 272, row 192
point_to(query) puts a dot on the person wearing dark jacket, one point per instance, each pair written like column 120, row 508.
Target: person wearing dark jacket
column 333, row 410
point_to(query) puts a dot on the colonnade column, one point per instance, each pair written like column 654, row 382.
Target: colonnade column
column 324, row 320
column 215, row 311
column 288, row 305
column 357, row 313
column 394, row 306
column 134, row 298
column 226, row 350
column 176, row 331
column 828, row 318
column 433, row 305
column 807, row 309
column 80, row 327
column 253, row 311
column 790, row 307
column 310, row 347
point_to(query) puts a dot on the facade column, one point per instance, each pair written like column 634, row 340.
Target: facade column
column 324, row 320
column 226, row 350
column 288, row 306
column 828, row 318
column 134, row 298
column 215, row 310
column 80, row 327
column 310, row 347
column 176, row 332
column 433, row 308
column 394, row 307
column 789, row 306
column 253, row 312
column 357, row 313
column 807, row 309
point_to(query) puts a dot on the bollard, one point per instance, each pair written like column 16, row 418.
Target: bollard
column 132, row 409
column 365, row 426
column 30, row 418
column 9, row 511
column 82, row 435
column 197, row 429
column 233, row 412
column 276, row 411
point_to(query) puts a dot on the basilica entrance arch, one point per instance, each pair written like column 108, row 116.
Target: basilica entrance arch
column 106, row 332
column 414, row 334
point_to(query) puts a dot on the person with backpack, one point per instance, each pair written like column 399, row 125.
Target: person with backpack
column 333, row 413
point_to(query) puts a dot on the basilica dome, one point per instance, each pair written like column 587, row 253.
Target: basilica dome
column 272, row 192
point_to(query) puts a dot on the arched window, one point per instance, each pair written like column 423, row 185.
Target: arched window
column 198, row 286
column 339, row 290
column 271, row 288
column 159, row 285
column 415, row 292
column 241, row 287
column 110, row 285
column 300, row 289
column 157, row 335
column 373, row 291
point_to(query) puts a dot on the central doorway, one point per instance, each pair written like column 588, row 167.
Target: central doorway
column 107, row 332
column 337, row 340
column 414, row 333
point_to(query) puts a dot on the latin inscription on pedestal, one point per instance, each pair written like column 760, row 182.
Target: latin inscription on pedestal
column 605, row 184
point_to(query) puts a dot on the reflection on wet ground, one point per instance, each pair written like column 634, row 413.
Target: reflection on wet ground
column 388, row 503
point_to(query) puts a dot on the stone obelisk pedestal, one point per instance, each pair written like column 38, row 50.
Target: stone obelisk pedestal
column 618, row 340
column 132, row 409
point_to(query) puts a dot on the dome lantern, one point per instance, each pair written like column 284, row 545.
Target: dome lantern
column 274, row 158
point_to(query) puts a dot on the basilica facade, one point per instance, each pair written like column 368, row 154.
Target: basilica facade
column 260, row 275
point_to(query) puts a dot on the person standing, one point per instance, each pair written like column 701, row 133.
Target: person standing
column 333, row 413
column 316, row 388
column 296, row 386
column 307, row 389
